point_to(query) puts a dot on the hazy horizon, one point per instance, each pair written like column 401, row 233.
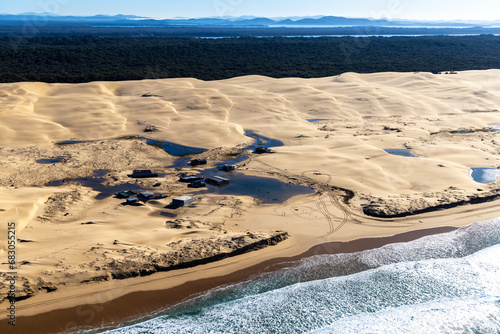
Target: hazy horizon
column 276, row 18
column 427, row 10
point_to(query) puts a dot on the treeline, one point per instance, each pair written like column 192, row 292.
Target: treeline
column 90, row 58
column 7, row 29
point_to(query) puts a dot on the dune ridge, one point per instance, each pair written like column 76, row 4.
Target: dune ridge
column 335, row 132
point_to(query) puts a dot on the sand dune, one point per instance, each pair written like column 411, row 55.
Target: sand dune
column 72, row 239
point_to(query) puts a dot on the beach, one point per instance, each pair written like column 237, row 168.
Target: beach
column 86, row 259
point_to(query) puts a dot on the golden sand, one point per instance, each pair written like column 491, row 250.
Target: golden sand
column 72, row 243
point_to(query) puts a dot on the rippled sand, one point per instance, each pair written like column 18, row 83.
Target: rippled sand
column 71, row 240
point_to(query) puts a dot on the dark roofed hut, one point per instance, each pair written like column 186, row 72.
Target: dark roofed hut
column 261, row 150
column 197, row 162
column 217, row 181
column 227, row 167
column 143, row 173
column 191, row 178
column 182, row 201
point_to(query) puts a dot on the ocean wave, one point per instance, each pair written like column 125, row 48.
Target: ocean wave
column 467, row 315
column 437, row 275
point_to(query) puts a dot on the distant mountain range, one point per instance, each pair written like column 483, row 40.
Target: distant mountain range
column 245, row 21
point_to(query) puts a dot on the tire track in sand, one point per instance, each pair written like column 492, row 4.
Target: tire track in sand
column 323, row 207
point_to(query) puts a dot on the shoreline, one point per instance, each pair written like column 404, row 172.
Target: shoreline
column 341, row 136
column 132, row 307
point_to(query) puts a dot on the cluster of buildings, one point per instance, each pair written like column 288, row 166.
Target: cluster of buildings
column 194, row 181
column 136, row 196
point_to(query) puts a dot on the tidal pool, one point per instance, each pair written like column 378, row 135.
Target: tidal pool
column 180, row 163
column 174, row 149
column 266, row 189
column 261, row 141
column 401, row 152
column 485, row 174
column 168, row 146
column 95, row 183
column 233, row 161
column 49, row 161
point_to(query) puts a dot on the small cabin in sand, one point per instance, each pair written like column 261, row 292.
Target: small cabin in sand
column 145, row 196
column 132, row 200
column 128, row 193
column 142, row 173
column 197, row 162
column 218, row 181
column 197, row 184
column 261, row 150
column 182, row 201
column 191, row 178
column 227, row 167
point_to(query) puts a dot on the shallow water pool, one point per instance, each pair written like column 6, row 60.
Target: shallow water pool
column 261, row 141
column 174, row 149
column 48, row 161
column 485, row 174
column 401, row 152
column 266, row 189
column 95, row 183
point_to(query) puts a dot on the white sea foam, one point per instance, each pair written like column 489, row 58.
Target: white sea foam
column 474, row 315
column 446, row 283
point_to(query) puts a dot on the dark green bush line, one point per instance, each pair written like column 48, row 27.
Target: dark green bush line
column 88, row 58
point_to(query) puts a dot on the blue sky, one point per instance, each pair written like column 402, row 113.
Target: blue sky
column 405, row 9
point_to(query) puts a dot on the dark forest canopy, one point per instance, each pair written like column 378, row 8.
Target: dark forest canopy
column 8, row 29
column 89, row 58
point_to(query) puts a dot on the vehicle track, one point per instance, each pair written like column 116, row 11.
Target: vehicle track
column 322, row 205
column 334, row 200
